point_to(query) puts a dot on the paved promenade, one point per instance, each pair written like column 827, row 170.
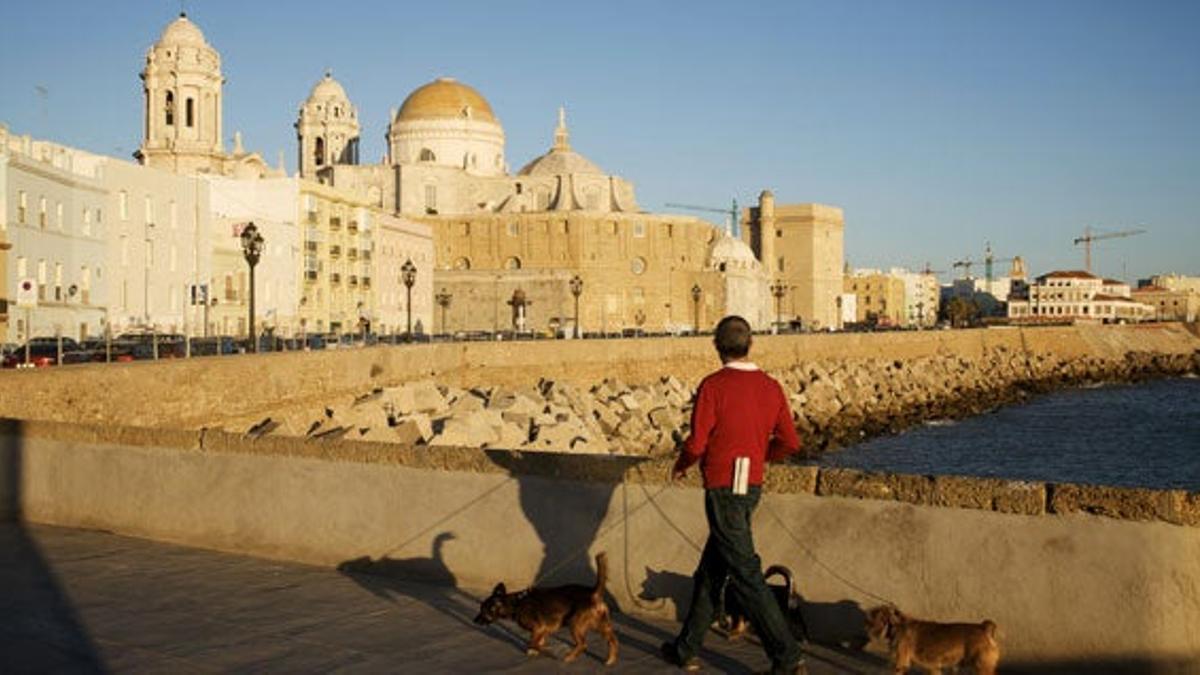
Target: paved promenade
column 83, row 601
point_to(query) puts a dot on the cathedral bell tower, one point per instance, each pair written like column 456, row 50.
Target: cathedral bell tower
column 182, row 111
column 327, row 128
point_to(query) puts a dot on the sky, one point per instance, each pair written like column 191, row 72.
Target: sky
column 937, row 126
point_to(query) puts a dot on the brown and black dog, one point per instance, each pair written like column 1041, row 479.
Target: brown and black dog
column 934, row 645
column 542, row 611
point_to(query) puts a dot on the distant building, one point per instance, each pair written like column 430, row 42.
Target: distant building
column 879, row 297
column 1169, row 305
column 921, row 297
column 1075, row 295
column 1173, row 282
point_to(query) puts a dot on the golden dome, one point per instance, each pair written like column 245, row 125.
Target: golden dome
column 445, row 98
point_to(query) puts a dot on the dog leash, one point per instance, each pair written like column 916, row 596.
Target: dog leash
column 817, row 561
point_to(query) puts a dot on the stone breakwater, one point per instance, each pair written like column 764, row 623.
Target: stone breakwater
column 834, row 402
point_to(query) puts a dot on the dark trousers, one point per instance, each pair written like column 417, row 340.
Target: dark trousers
column 729, row 553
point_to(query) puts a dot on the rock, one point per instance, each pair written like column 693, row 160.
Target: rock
column 470, row 430
column 629, row 402
column 410, row 397
column 415, row 429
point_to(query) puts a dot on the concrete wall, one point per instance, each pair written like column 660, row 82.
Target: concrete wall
column 201, row 391
column 1068, row 589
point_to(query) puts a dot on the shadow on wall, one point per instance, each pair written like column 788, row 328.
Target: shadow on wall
column 41, row 631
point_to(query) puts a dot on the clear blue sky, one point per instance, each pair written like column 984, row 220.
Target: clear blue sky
column 937, row 126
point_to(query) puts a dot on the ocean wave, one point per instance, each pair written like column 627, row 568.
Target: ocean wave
column 939, row 423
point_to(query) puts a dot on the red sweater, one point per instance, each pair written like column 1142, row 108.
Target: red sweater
column 740, row 411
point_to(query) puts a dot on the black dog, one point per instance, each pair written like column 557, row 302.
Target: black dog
column 732, row 617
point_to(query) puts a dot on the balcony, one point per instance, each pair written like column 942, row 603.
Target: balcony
column 312, row 217
column 335, row 223
column 311, row 246
column 353, row 280
column 352, row 227
column 310, row 275
column 335, row 251
column 366, row 282
column 335, row 278
column 366, row 254
column 352, row 254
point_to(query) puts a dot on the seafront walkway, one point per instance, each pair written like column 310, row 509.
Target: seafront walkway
column 86, row 601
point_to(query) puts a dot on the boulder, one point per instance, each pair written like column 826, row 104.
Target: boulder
column 476, row 429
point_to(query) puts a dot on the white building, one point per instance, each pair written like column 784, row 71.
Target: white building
column 396, row 241
column 921, row 296
column 1075, row 295
column 271, row 204
column 53, row 214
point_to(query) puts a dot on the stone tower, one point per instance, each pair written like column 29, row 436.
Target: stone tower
column 182, row 108
column 327, row 128
column 766, row 225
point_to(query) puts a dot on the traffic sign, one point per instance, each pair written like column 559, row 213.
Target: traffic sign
column 27, row 293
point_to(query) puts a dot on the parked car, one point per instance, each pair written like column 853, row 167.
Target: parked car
column 214, row 346
column 141, row 345
column 43, row 351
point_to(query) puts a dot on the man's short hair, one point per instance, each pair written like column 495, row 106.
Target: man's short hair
column 732, row 337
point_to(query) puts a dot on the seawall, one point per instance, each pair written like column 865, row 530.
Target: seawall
column 1077, row 578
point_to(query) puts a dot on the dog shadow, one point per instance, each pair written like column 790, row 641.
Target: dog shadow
column 426, row 580
column 668, row 586
column 838, row 625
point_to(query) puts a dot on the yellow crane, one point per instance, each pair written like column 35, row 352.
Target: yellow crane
column 1088, row 237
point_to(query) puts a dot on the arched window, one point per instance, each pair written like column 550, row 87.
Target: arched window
column 169, row 108
column 513, row 263
column 462, row 264
column 190, row 113
column 319, row 151
column 427, row 155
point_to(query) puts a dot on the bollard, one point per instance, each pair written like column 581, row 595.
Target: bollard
column 58, row 351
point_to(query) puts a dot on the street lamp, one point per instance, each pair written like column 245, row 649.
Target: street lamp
column 252, row 245
column 443, row 301
column 576, row 290
column 778, row 289
column 696, row 291
column 408, row 274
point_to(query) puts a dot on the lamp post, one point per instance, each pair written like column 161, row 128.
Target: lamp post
column 920, row 314
column 252, row 245
column 696, row 291
column 576, row 290
column 778, row 289
column 408, row 274
column 443, row 300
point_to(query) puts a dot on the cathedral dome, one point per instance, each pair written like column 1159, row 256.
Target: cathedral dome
column 328, row 87
column 182, row 32
column 559, row 162
column 445, row 98
column 731, row 252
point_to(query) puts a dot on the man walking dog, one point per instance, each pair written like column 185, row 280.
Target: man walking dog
column 740, row 420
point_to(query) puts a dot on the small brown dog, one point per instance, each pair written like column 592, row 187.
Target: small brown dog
column 541, row 611
column 934, row 645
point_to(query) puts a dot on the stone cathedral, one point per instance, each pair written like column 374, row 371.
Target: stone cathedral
column 501, row 236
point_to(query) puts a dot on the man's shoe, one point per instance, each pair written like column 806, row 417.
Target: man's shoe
column 671, row 655
column 800, row 668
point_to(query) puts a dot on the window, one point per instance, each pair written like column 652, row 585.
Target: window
column 58, row 216
column 462, row 264
column 431, row 199
column 639, row 229
column 149, row 209
column 638, row 265
column 319, row 151
column 426, row 156
column 22, row 206
column 513, row 229
column 22, row 266
column 86, row 226
column 123, row 205
column 42, row 212
column 169, row 108
column 512, row 264
column 191, row 112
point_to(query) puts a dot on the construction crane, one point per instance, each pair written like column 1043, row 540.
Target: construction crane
column 989, row 259
column 929, row 269
column 965, row 264
column 1088, row 238
column 731, row 212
